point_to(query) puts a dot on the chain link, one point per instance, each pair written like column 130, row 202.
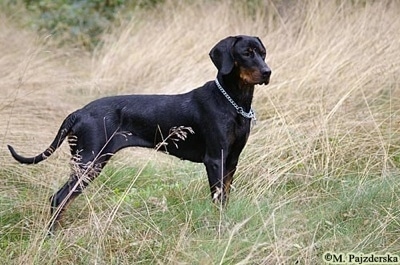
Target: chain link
column 248, row 115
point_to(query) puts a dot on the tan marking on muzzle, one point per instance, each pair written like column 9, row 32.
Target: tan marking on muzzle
column 250, row 75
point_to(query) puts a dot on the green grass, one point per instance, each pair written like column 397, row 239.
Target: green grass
column 170, row 220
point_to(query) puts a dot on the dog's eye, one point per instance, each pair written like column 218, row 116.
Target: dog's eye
column 247, row 54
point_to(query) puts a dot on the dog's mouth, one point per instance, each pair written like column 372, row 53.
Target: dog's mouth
column 265, row 82
column 257, row 82
column 262, row 80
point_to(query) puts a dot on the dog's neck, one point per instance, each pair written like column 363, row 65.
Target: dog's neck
column 238, row 90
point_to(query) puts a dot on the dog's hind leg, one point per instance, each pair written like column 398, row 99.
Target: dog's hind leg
column 89, row 157
column 85, row 167
column 82, row 174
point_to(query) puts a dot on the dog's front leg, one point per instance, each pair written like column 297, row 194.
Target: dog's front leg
column 216, row 172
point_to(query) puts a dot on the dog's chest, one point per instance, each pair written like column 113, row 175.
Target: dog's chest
column 240, row 130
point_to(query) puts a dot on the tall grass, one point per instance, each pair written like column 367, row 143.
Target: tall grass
column 319, row 173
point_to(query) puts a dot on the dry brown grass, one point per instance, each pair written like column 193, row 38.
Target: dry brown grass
column 333, row 106
column 330, row 116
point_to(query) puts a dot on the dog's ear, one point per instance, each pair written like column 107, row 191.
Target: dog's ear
column 262, row 45
column 221, row 55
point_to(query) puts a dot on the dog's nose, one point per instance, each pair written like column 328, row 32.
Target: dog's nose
column 266, row 72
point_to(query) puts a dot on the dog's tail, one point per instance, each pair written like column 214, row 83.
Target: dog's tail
column 63, row 132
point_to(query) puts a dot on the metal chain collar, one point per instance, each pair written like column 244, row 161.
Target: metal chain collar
column 248, row 115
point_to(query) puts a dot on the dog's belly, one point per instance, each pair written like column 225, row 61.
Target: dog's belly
column 191, row 149
column 194, row 155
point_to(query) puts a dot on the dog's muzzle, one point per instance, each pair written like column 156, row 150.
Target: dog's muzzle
column 266, row 74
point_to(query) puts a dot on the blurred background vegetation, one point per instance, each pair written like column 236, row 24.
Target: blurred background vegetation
column 81, row 22
column 75, row 21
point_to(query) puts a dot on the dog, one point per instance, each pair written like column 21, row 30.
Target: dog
column 209, row 125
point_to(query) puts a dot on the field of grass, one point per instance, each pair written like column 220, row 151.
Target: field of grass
column 320, row 172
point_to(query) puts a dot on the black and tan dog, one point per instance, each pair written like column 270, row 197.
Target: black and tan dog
column 209, row 124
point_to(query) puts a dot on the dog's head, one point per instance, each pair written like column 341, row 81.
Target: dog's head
column 243, row 54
